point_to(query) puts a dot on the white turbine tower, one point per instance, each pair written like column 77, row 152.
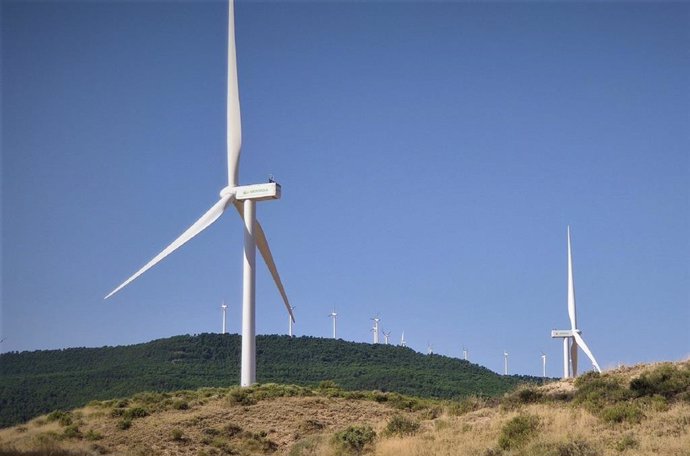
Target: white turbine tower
column 505, row 363
column 572, row 338
column 429, row 349
column 543, row 364
column 375, row 329
column 290, row 322
column 386, row 335
column 224, row 309
column 402, row 340
column 334, row 316
column 465, row 354
column 244, row 199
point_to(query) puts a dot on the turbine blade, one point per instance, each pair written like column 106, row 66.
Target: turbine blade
column 262, row 245
column 234, row 124
column 588, row 352
column 571, row 288
column 200, row 225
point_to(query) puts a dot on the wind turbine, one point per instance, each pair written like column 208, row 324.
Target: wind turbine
column 402, row 340
column 375, row 329
column 334, row 316
column 572, row 338
column 386, row 335
column 543, row 364
column 429, row 349
column 224, row 308
column 244, row 199
column 505, row 363
column 290, row 321
column 464, row 354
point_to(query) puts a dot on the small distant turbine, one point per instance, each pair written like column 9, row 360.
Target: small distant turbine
column 429, row 349
column 465, row 354
column 402, row 340
column 505, row 363
column 375, row 329
column 290, row 319
column 386, row 335
column 334, row 316
column 224, row 310
column 543, row 364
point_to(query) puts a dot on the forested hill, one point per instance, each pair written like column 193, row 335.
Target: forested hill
column 36, row 382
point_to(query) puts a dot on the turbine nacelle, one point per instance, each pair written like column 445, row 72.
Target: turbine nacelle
column 560, row 333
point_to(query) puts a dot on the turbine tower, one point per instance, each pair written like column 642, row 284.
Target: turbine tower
column 290, row 321
column 572, row 338
column 244, row 199
column 543, row 364
column 465, row 354
column 402, row 340
column 505, row 363
column 429, row 349
column 334, row 316
column 224, row 308
column 375, row 329
column 386, row 335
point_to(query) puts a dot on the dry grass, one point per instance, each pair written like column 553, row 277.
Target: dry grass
column 304, row 424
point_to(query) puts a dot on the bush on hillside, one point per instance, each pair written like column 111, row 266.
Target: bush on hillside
column 401, row 426
column 666, row 380
column 518, row 431
column 355, row 439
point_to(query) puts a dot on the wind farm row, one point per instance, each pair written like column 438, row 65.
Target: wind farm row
column 244, row 199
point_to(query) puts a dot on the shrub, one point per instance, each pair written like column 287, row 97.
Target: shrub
column 124, row 424
column 666, row 380
column 72, row 432
column 518, row 431
column 574, row 448
column 522, row 395
column 466, row 405
column 64, row 418
column 241, row 396
column 623, row 412
column 136, row 412
column 232, row 430
column 594, row 391
column 628, row 441
column 355, row 439
column 177, row 435
column 93, row 435
column 401, row 426
column 180, row 404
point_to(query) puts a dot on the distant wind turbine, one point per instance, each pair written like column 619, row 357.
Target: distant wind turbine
column 543, row 364
column 505, row 363
column 375, row 329
column 224, row 308
column 465, row 354
column 429, row 349
column 402, row 340
column 571, row 337
column 334, row 316
column 244, row 199
column 386, row 335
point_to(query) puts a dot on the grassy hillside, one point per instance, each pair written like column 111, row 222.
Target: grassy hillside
column 643, row 410
column 37, row 382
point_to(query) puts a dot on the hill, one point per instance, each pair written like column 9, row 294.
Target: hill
column 643, row 410
column 37, row 382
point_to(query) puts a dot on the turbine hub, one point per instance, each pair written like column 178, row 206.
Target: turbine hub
column 227, row 191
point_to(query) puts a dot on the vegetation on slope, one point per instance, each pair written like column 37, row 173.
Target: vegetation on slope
column 567, row 418
column 32, row 383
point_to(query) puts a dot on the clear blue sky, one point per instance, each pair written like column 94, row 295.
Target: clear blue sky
column 431, row 157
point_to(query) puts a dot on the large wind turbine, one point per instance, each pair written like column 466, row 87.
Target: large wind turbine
column 244, row 199
column 375, row 329
column 290, row 322
column 572, row 338
column 505, row 363
column 386, row 335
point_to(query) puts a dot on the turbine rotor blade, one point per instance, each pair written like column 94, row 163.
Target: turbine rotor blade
column 234, row 124
column 571, row 288
column 200, row 225
column 262, row 245
column 581, row 342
